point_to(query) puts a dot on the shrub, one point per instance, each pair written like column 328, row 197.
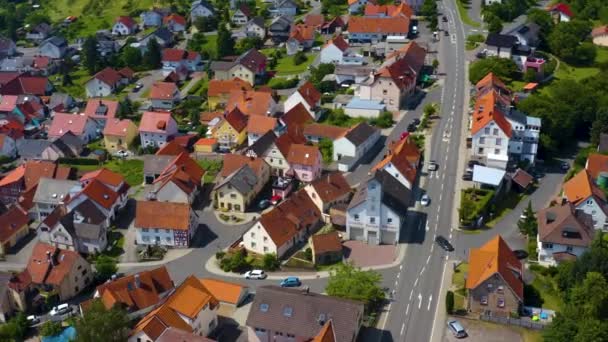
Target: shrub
column 308, row 254
column 50, row 328
column 449, row 302
column 283, row 83
column 270, row 262
column 299, row 58
column 385, row 120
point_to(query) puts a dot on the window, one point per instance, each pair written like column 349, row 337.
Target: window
column 76, row 289
column 480, row 150
column 265, row 249
column 389, row 220
column 233, row 196
column 495, row 131
column 356, row 217
column 372, row 220
column 569, row 249
column 252, row 235
column 168, row 231
column 496, row 151
column 84, row 272
column 156, row 230
column 145, row 230
column 252, row 244
column 221, row 194
column 547, row 245
column 169, row 239
column 482, row 140
column 498, row 141
column 265, row 238
column 487, row 130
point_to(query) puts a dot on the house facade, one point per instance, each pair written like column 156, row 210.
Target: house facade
column 308, row 96
column 329, row 190
column 119, row 135
column 13, row 227
column 231, row 131
column 305, row 162
column 375, row 30
column 356, row 143
column 156, row 128
column 154, row 227
column 124, row 26
column 586, row 196
column 337, row 51
column 402, row 161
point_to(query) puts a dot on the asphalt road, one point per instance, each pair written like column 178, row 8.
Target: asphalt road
column 418, row 280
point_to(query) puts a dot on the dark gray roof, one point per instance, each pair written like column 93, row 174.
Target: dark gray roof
column 286, row 4
column 243, row 180
column 394, row 194
column 50, row 190
column 360, row 133
column 221, row 65
column 528, row 31
column 280, row 23
column 164, row 34
column 259, row 21
column 501, row 40
column 154, row 164
column 202, row 3
column 92, row 219
column 261, row 145
column 296, row 312
column 69, row 144
column 57, row 41
column 32, row 148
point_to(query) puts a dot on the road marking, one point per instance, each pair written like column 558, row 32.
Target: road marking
column 427, row 227
column 407, row 309
column 419, row 300
column 411, row 294
column 398, row 275
column 450, row 235
column 434, row 236
column 423, row 268
column 428, row 259
column 396, row 283
column 402, row 328
column 442, row 186
column 430, row 300
column 446, row 258
column 432, row 246
column 400, row 267
column 439, row 209
column 440, row 195
column 416, row 282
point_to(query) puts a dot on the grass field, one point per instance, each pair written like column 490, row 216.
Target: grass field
column 79, row 78
column 547, row 288
column 132, row 170
column 211, row 45
column 285, row 65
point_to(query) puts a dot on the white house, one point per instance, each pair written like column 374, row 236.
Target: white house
column 156, row 128
column 402, row 161
column 53, row 47
column 154, row 226
column 201, row 8
column 124, row 26
column 377, row 210
column 337, row 51
column 241, row 15
column 586, row 196
column 50, row 193
column 564, row 233
column 103, row 83
column 560, row 12
column 350, row 148
column 307, row 95
column 255, row 28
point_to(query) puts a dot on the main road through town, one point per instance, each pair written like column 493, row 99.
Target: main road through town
column 417, row 282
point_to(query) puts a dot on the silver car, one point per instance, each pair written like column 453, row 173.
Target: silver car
column 457, row 329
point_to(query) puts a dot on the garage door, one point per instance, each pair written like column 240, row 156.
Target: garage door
column 388, row 238
column 357, row 234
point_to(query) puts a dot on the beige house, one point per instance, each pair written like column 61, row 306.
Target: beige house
column 241, row 179
column 329, row 190
column 248, row 66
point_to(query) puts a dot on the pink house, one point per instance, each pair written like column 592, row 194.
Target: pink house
column 534, row 63
column 305, row 162
column 81, row 125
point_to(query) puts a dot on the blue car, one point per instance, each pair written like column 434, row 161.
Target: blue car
column 291, row 282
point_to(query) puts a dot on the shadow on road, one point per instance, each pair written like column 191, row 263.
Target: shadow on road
column 203, row 237
column 375, row 334
column 414, row 229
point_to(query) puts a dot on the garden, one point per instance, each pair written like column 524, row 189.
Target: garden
column 456, row 299
column 240, row 261
column 474, row 203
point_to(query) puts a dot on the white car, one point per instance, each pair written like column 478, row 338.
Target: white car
column 60, row 310
column 255, row 274
column 425, row 200
column 33, row 320
column 122, row 154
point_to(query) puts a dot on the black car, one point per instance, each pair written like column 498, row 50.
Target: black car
column 520, row 254
column 472, row 163
column 411, row 127
column 467, row 176
column 446, row 33
column 416, row 121
column 444, row 243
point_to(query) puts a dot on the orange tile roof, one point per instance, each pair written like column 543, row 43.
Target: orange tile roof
column 310, row 94
column 153, row 214
column 331, row 186
column 190, row 298
column 42, row 271
column 296, row 117
column 11, row 222
column 486, row 110
column 326, row 334
column 314, row 20
column 413, row 53
column 597, row 164
column 301, row 154
column 495, row 257
column 250, row 102
column 172, row 148
column 158, row 320
column 99, row 193
column 302, row 32
column 261, row 124
column 404, row 155
column 224, row 291
column 233, row 162
column 206, row 141
column 118, row 128
column 206, row 117
column 580, row 187
column 31, row 172
column 163, row 90
column 187, row 165
column 105, row 176
column 224, row 87
column 339, row 42
column 323, row 130
column 387, row 25
column 389, row 10
column 324, row 243
column 491, row 81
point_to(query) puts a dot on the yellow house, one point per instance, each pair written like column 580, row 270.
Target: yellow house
column 119, row 134
column 219, row 91
column 205, row 145
column 240, row 181
column 13, row 227
column 231, row 132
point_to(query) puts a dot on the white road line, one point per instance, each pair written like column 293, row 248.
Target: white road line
column 428, row 259
column 450, row 236
column 439, row 208
column 419, row 300
column 416, row 282
column 411, row 294
column 396, row 283
column 427, row 227
column 434, row 236
column 407, row 309
column 430, row 300
column 398, row 275
column 442, row 186
column 422, row 270
column 402, row 328
column 440, row 195
column 432, row 246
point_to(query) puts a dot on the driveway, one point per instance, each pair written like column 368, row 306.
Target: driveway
column 146, row 80
column 480, row 331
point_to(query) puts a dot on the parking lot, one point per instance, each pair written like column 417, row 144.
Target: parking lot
column 479, row 331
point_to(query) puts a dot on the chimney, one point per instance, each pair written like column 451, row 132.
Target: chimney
column 137, row 281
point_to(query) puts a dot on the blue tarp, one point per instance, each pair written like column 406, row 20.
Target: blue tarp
column 68, row 334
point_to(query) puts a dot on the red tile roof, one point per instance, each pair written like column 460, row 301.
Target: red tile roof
column 126, row 72
column 250, row 102
column 43, row 271
column 325, row 243
column 580, row 187
column 389, row 10
column 8, row 103
column 296, row 117
column 599, row 31
column 310, row 94
column 99, row 193
column 404, row 155
column 64, row 122
column 486, row 110
column 233, row 162
column 163, row 91
column 414, row 55
column 127, row 21
column 331, row 187
column 339, row 42
column 172, row 148
column 325, row 131
column 562, row 8
column 300, row 154
column 389, row 25
column 314, row 20
column 104, row 176
column 261, row 124
column 174, row 55
column 302, row 32
column 176, row 18
column 236, row 119
column 11, row 222
column 597, row 164
column 118, row 128
column 224, row 87
column 93, row 105
column 153, row 214
column 155, row 122
column 108, row 76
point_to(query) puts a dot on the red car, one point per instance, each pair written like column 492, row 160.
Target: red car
column 404, row 135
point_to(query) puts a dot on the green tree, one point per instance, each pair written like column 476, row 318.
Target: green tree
column 528, row 225
column 565, row 41
column 50, row 328
column 466, row 211
column 599, row 126
column 205, row 24
column 100, row 324
column 243, row 45
column 152, row 57
column 504, row 68
column 590, row 298
column 91, row 59
column 494, row 23
column 350, row 282
column 105, row 267
column 592, row 330
column 561, row 329
column 14, row 329
column 449, row 302
column 317, row 73
column 429, row 8
column 131, row 57
column 429, row 109
column 326, row 147
column 299, row 58
column 37, row 17
column 271, row 262
column 225, row 42
column 435, row 64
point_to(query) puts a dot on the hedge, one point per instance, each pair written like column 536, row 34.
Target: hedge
column 78, row 161
column 283, row 83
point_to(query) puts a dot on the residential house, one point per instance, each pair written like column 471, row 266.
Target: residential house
column 66, row 146
column 361, row 108
column 354, row 73
column 259, row 125
column 201, row 8
column 53, row 270
column 124, row 26
column 205, row 145
column 53, row 47
column 377, row 210
column 255, row 27
column 154, row 227
column 600, row 35
column 296, row 118
column 356, row 6
column 335, row 25
column 187, row 313
column 153, row 17
column 231, row 296
column 304, row 315
column 586, row 196
column 7, row 305
column 119, row 135
column 231, row 130
column 162, row 35
column 326, row 248
column 281, row 229
column 307, row 95
column 107, row 190
column 301, row 38
column 526, row 34
column 315, row 132
column 173, row 59
column 279, row 29
column 396, row 79
column 560, row 12
column 155, row 164
column 179, row 182
column 356, row 143
column 14, row 226
column 104, row 83
column 22, row 84
column 249, row 66
column 489, row 178
column 101, row 111
column 285, row 7
column 337, row 51
column 175, row 22
column 80, row 125
column 240, row 181
column 8, row 147
column 241, row 16
column 382, row 11
column 39, row 32
column 374, row 30
column 7, row 47
column 305, row 162
column 314, row 20
column 164, row 95
column 328, row 191
column 51, row 193
column 219, row 91
column 402, row 161
column 252, row 103
column 564, row 233
column 24, row 179
column 156, row 128
column 500, row 45
column 137, row 293
column 495, row 280
column 597, row 166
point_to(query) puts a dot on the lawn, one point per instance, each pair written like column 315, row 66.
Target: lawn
column 463, row 6
column 132, row 170
column 504, row 206
column 76, row 89
column 458, row 286
column 474, row 203
column 546, row 288
column 211, row 45
column 285, row 65
column 212, row 168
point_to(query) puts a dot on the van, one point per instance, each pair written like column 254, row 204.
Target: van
column 60, row 310
column 457, row 329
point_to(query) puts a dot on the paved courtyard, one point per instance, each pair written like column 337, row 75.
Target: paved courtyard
column 479, row 331
column 364, row 255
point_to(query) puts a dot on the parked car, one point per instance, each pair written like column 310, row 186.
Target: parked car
column 137, row 87
column 433, row 166
column 446, row 33
column 416, row 121
column 444, row 243
column 520, row 254
column 444, row 19
column 471, row 164
column 255, row 274
column 276, row 199
column 33, row 320
column 565, row 166
column 467, row 176
column 425, row 200
column 291, row 282
column 122, row 154
column 411, row 128
column 264, row 204
column 457, row 329
column 61, row 309
column 404, row 135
